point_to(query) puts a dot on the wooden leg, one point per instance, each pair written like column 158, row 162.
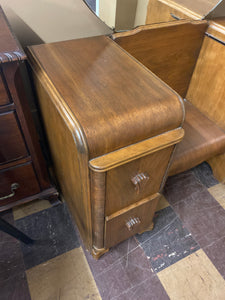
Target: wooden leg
column 150, row 228
column 217, row 164
column 97, row 253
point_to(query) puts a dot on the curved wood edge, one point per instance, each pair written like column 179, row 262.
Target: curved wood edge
column 154, row 26
column 216, row 31
column 135, row 151
column 76, row 131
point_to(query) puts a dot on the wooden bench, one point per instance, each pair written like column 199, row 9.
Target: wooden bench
column 189, row 57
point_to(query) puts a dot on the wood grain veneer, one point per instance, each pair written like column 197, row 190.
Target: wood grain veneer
column 170, row 50
column 93, row 62
column 207, row 88
column 12, row 145
column 203, row 140
column 101, row 108
column 168, row 10
column 116, row 228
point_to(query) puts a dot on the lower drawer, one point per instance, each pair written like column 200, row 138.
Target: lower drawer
column 136, row 218
column 17, row 183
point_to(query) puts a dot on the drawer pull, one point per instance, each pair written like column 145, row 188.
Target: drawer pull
column 133, row 221
column 14, row 187
column 139, row 181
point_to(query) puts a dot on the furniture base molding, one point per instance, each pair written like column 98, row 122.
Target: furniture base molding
column 97, row 253
column 150, row 228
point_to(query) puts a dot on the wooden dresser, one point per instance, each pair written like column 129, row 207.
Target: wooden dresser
column 112, row 126
column 23, row 173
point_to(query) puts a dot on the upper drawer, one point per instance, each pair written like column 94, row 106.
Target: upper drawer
column 136, row 180
column 12, row 145
column 4, row 98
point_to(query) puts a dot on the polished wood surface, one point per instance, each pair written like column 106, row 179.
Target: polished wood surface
column 4, row 97
column 135, row 151
column 23, row 169
column 162, row 11
column 139, row 215
column 120, row 186
column 203, row 140
column 98, row 187
column 169, row 50
column 207, row 89
column 168, row 10
column 216, row 29
column 12, row 145
column 69, row 152
column 97, row 117
column 115, row 104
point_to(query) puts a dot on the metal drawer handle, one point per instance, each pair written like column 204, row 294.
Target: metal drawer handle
column 133, row 221
column 14, row 187
column 139, row 181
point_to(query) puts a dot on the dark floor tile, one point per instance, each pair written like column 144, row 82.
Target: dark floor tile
column 114, row 255
column 168, row 242
column 150, row 289
column 216, row 253
column 203, row 172
column 126, row 275
column 203, row 216
column 180, row 186
column 8, row 217
column 15, row 288
column 53, row 231
column 11, row 259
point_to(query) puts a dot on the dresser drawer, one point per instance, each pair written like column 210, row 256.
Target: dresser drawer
column 12, row 144
column 137, row 218
column 17, row 183
column 4, row 98
column 131, row 182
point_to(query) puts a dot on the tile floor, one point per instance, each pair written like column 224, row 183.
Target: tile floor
column 182, row 258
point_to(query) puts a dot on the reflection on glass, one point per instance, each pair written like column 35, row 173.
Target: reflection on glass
column 120, row 14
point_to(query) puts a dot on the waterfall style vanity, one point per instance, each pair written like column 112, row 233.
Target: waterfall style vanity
column 113, row 114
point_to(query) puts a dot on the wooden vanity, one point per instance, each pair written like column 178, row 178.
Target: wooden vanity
column 113, row 113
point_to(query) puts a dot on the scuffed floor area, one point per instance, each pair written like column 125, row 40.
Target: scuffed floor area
column 182, row 258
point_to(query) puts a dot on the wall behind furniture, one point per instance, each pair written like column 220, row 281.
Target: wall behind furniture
column 51, row 20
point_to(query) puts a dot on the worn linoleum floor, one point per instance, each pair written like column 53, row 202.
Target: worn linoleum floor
column 182, row 258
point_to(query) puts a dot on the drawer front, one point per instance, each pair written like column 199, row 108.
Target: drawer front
column 17, row 183
column 129, row 183
column 127, row 222
column 12, row 144
column 4, row 98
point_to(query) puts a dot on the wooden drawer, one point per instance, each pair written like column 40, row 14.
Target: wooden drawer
column 12, row 144
column 136, row 180
column 137, row 218
column 4, row 98
column 24, row 177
